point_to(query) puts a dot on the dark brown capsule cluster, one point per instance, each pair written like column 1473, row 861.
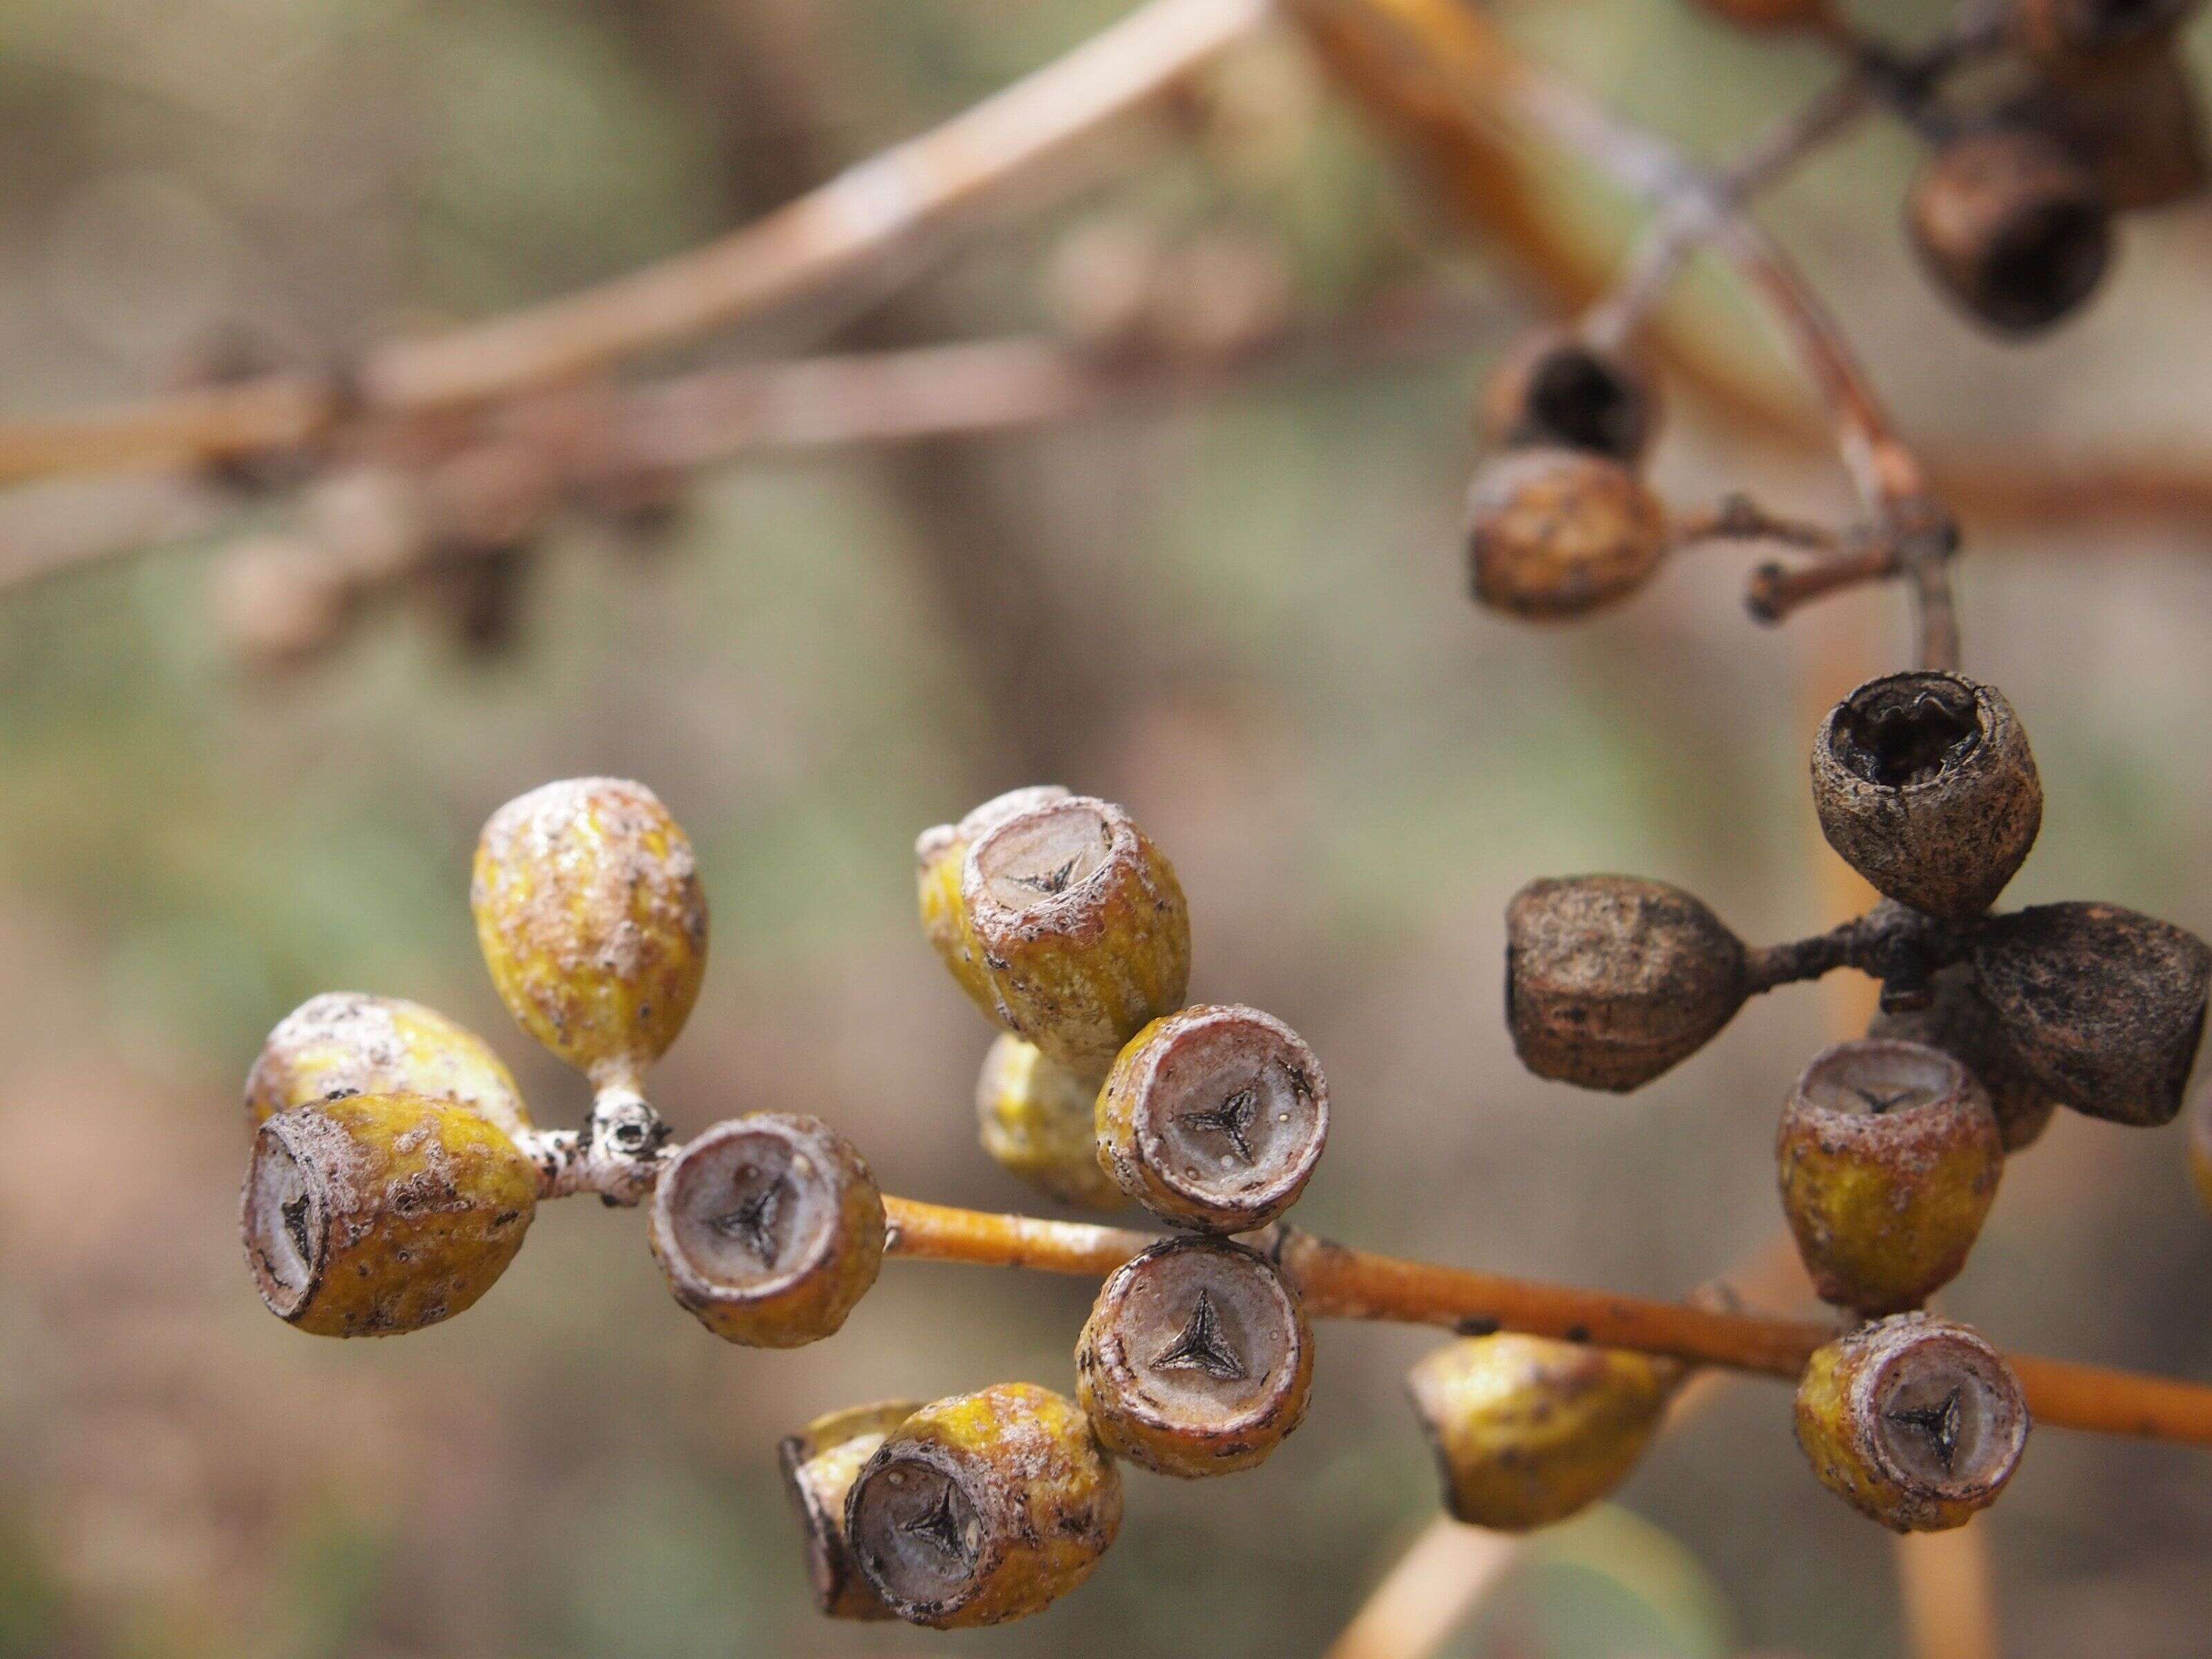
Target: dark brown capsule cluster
column 2013, row 213
column 1559, row 521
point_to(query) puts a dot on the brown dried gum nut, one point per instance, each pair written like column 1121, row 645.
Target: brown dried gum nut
column 1214, row 1118
column 983, row 1508
column 2135, row 119
column 1610, row 980
column 1557, row 389
column 1925, row 784
column 1888, row 1157
column 1080, row 927
column 769, row 1229
column 2100, row 1006
column 1958, row 1021
column 346, row 1042
column 939, row 856
column 1556, row 533
column 2072, row 34
column 819, row 1465
column 1914, row 1421
column 2012, row 225
column 1196, row 1361
column 374, row 1215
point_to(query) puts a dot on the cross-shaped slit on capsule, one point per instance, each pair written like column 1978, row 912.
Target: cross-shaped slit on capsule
column 751, row 1224
column 938, row 1526
column 1941, row 1424
column 1231, row 1119
column 295, row 1226
column 1051, row 881
column 1203, row 1347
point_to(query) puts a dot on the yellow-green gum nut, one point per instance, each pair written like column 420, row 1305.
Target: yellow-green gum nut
column 1214, row 1118
column 1527, row 1431
column 375, row 1214
column 1914, row 1421
column 769, row 1229
column 591, row 920
column 1888, row 1155
column 343, row 1042
column 939, row 855
column 819, row 1465
column 983, row 1508
column 1080, row 927
column 1196, row 1361
column 1036, row 1121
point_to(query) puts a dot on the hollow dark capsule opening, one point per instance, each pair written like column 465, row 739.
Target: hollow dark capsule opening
column 916, row 1532
column 1577, row 397
column 1903, row 732
column 2044, row 263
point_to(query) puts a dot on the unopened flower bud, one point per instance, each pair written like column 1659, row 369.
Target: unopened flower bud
column 1039, row 1123
column 1080, row 927
column 820, row 1464
column 2012, row 225
column 2100, row 1006
column 343, row 1042
column 1196, row 1359
column 1214, row 1118
column 984, row 1507
column 590, row 915
column 940, row 855
column 1914, row 1421
column 1527, row 1431
column 376, row 1215
column 769, row 1229
column 1889, row 1158
column 1609, row 981
column 1924, row 784
column 1556, row 389
column 1557, row 533
column 1957, row 1021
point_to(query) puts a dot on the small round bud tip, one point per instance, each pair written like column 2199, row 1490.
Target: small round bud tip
column 1611, row 980
column 1924, row 784
column 769, row 1229
column 984, row 1508
column 1888, row 1157
column 1196, row 1361
column 1914, row 1421
column 1214, row 1118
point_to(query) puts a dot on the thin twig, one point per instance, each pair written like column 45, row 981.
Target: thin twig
column 870, row 212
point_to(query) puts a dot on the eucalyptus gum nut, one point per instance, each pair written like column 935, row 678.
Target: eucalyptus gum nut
column 1610, row 980
column 2135, row 120
column 376, row 1215
column 1527, row 1431
column 1555, row 389
column 1925, row 784
column 1214, row 1117
column 1555, row 533
column 1037, row 1121
column 2064, row 33
column 984, row 1507
column 1958, row 1021
column 940, row 855
column 346, row 1043
column 1080, row 927
column 769, row 1229
column 1914, row 1421
column 1196, row 1361
column 819, row 1465
column 2012, row 225
column 2100, row 1006
column 590, row 915
column 1888, row 1157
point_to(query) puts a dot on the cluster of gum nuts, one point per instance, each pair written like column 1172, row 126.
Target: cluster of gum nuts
column 1891, row 1146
